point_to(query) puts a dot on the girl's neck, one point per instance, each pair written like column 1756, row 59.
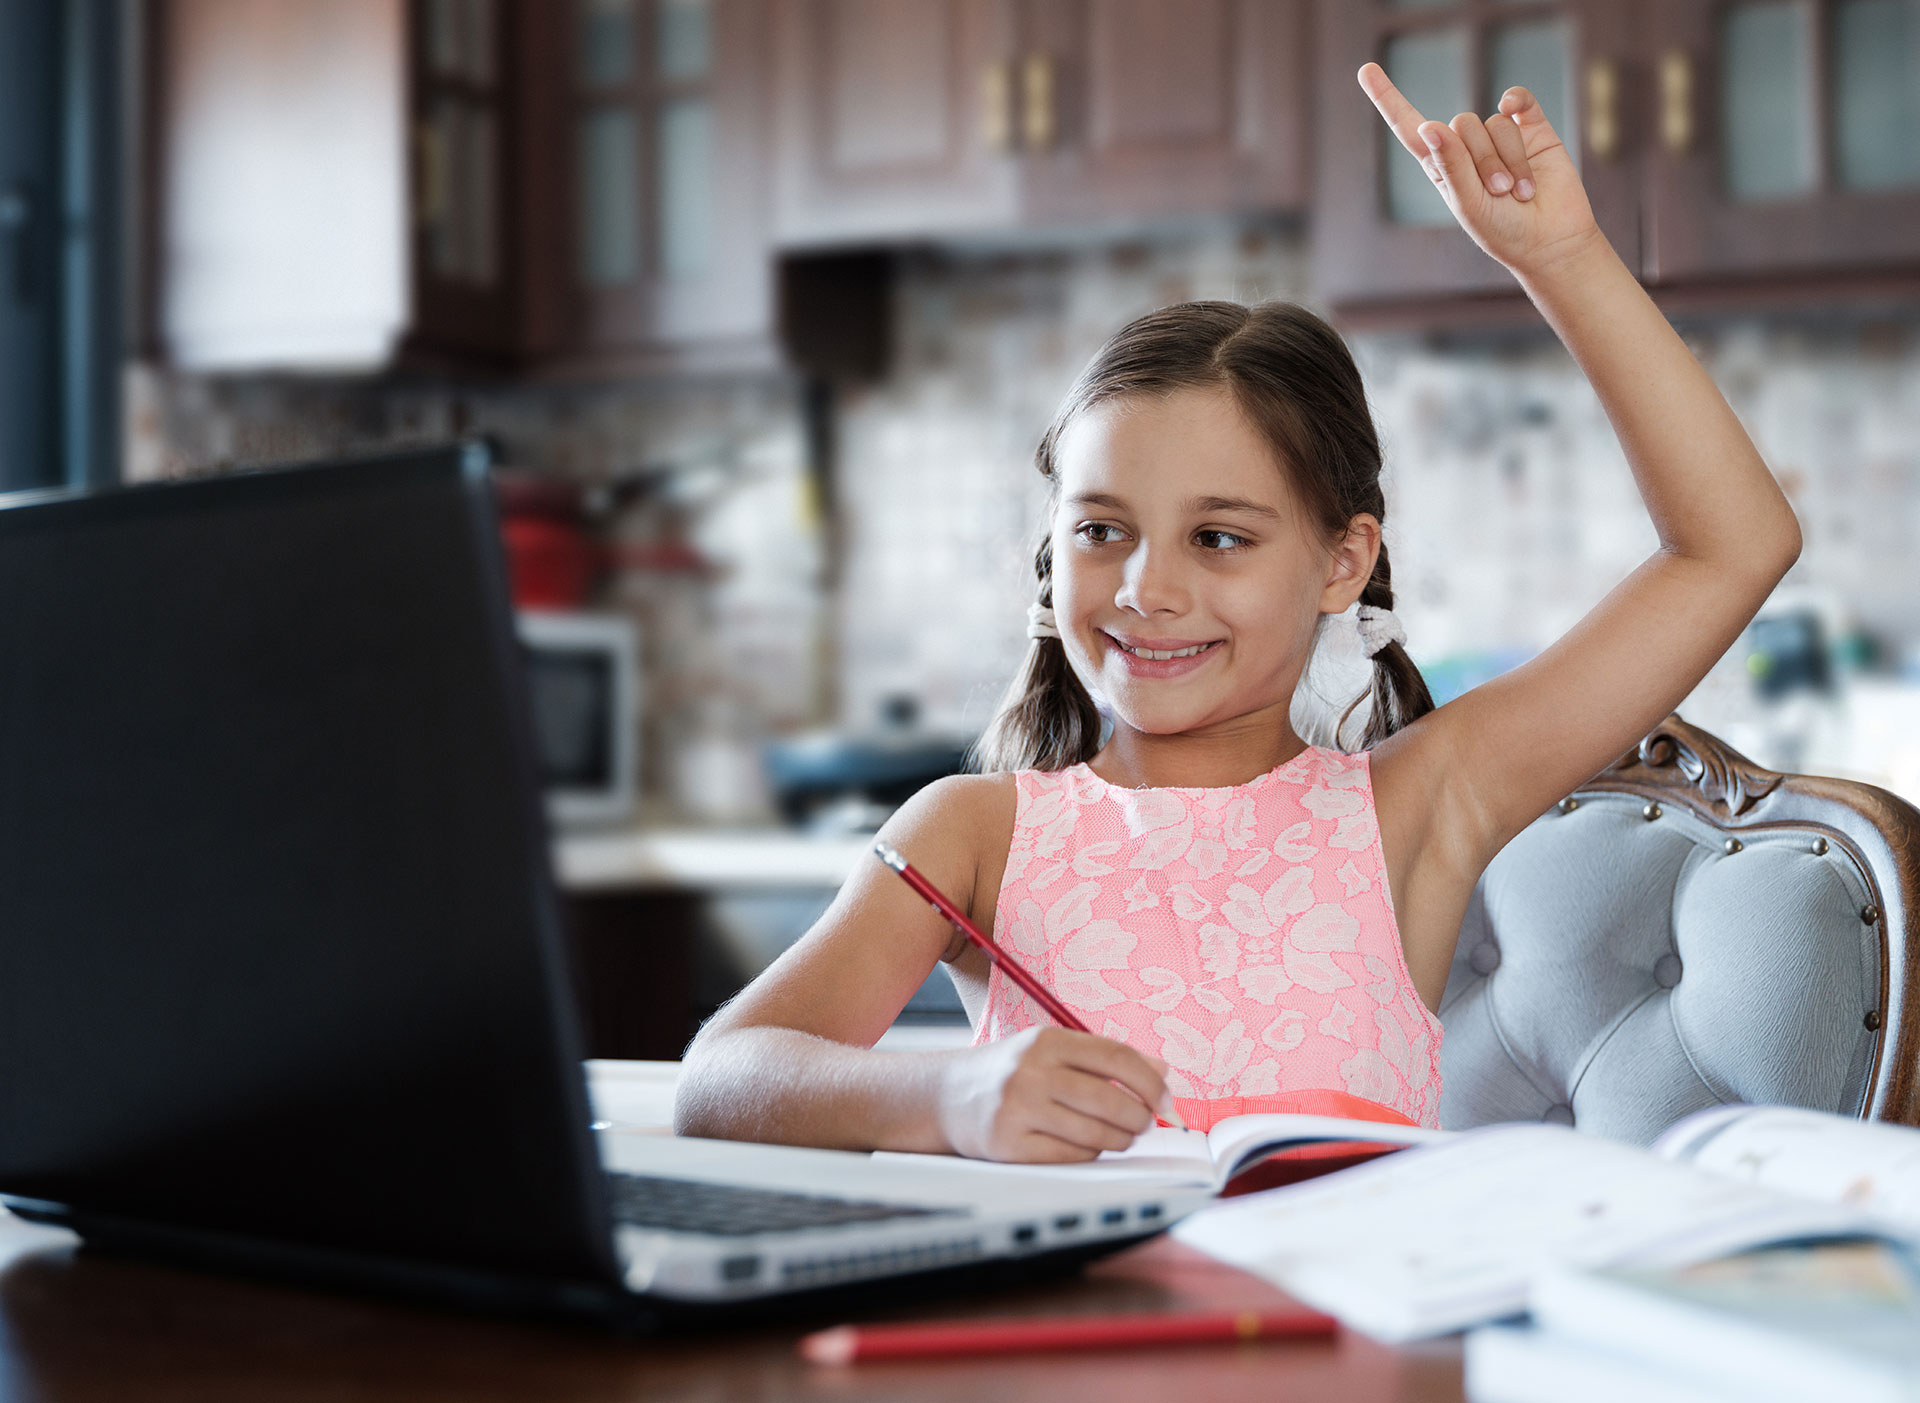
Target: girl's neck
column 1137, row 760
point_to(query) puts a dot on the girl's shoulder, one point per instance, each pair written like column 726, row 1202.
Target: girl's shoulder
column 969, row 799
column 957, row 831
column 959, row 816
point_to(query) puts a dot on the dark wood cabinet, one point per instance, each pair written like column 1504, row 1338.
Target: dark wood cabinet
column 1726, row 145
column 893, row 119
column 1136, row 108
column 1782, row 138
column 930, row 118
column 658, row 163
column 469, row 84
column 588, row 180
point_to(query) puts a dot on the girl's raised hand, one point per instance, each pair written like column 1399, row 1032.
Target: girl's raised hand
column 1048, row 1096
column 1508, row 180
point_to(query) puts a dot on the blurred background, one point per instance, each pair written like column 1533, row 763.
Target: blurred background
column 763, row 305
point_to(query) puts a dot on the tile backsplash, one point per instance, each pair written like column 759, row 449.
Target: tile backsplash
column 1510, row 507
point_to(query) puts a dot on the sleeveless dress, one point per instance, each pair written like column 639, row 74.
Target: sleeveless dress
column 1245, row 935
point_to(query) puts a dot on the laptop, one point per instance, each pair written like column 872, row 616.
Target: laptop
column 282, row 982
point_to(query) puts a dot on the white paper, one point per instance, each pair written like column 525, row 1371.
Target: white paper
column 1450, row 1235
column 1868, row 1165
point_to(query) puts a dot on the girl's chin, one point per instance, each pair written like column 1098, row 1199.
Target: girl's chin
column 1154, row 721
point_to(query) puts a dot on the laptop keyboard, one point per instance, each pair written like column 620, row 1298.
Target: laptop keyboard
column 728, row 1210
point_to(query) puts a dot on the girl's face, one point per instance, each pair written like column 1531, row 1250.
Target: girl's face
column 1187, row 581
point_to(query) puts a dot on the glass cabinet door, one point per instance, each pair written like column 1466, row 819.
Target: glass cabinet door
column 669, row 241
column 1785, row 137
column 459, row 97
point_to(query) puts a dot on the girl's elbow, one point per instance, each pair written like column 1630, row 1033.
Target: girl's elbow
column 1787, row 547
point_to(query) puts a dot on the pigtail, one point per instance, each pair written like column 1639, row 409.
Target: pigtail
column 1047, row 720
column 1400, row 694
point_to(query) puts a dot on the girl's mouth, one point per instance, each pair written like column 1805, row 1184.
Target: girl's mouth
column 1174, row 661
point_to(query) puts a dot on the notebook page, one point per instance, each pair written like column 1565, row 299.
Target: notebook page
column 1867, row 1165
column 1444, row 1236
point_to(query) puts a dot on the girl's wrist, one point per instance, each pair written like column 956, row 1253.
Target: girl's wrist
column 1569, row 262
column 947, row 1070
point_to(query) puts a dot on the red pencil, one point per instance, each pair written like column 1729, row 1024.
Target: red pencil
column 1041, row 995
column 848, row 1344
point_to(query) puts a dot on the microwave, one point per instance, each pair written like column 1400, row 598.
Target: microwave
column 583, row 680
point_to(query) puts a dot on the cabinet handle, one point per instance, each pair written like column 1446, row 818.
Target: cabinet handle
column 1603, row 109
column 430, row 174
column 996, row 105
column 1676, row 101
column 1038, row 125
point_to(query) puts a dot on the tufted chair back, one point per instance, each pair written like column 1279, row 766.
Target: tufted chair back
column 1689, row 929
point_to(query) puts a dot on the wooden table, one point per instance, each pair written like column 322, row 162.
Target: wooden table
column 76, row 1325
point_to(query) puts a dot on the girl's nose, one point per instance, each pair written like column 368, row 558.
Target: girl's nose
column 1151, row 584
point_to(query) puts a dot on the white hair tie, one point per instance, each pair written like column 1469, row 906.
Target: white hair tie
column 1378, row 628
column 1040, row 622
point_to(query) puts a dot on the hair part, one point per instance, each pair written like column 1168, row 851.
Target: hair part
column 1294, row 379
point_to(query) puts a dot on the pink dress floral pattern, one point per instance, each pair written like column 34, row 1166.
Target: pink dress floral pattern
column 1245, row 935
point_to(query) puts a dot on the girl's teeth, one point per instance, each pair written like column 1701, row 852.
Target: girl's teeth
column 1163, row 655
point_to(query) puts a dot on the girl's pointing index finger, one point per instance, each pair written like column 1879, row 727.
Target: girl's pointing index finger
column 1401, row 115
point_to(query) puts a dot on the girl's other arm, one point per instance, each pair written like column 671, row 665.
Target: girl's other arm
column 1504, row 752
column 790, row 1060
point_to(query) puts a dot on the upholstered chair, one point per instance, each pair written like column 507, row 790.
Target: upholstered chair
column 1688, row 929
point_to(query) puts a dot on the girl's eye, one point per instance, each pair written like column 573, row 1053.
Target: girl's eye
column 1098, row 533
column 1221, row 540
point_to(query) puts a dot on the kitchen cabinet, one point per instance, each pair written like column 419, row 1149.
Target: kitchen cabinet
column 660, row 166
column 929, row 118
column 587, row 182
column 894, row 119
column 464, row 96
column 1726, row 145
column 1783, row 139
column 1164, row 109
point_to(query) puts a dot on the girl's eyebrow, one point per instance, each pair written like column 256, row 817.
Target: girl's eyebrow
column 1201, row 506
column 1194, row 506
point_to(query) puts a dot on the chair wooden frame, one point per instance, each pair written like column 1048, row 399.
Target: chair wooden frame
column 1678, row 763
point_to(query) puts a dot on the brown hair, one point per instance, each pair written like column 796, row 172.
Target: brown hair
column 1294, row 379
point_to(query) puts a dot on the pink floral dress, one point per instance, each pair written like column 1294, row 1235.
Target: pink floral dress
column 1245, row 935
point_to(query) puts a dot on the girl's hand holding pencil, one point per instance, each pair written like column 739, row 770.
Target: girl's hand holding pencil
column 1050, row 1095
column 1509, row 180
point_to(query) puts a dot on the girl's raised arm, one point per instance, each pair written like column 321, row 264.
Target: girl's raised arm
column 1504, row 752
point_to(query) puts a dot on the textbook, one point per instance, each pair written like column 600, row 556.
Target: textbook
column 1457, row 1233
column 1803, row 1321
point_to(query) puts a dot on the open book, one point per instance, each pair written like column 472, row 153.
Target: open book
column 1189, row 1159
column 1238, row 1143
column 1453, row 1234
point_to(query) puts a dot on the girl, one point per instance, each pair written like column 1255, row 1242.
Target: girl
column 1251, row 922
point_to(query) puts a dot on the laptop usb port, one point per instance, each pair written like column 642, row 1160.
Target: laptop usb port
column 1066, row 1222
column 1025, row 1233
column 1149, row 1211
column 739, row 1268
column 1113, row 1217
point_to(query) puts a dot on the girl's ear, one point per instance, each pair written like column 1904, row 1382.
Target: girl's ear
column 1351, row 565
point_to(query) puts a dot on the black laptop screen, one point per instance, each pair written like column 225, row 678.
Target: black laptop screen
column 278, row 953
